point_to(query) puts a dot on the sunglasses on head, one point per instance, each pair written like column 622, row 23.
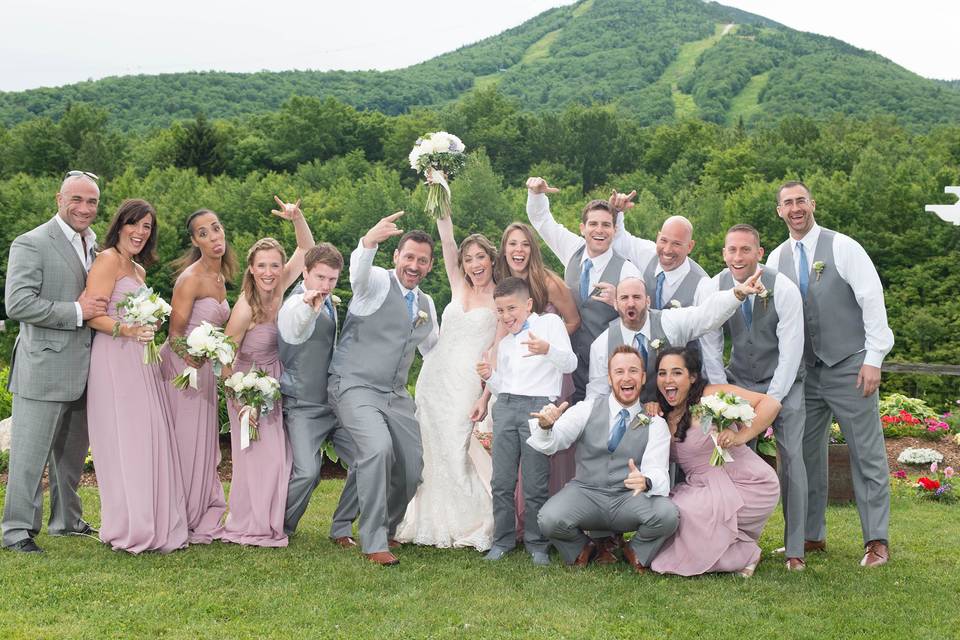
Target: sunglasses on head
column 73, row 174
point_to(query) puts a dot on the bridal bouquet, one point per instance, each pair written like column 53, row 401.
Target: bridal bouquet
column 143, row 307
column 721, row 411
column 205, row 342
column 439, row 157
column 257, row 393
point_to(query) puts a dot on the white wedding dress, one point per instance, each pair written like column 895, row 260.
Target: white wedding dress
column 452, row 507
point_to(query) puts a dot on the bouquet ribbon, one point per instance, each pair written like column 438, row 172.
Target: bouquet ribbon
column 720, row 455
column 245, row 412
column 187, row 378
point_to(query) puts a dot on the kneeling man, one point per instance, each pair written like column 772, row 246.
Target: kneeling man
column 609, row 492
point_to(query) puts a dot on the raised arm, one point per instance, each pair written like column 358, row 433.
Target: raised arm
column 240, row 318
column 563, row 242
column 450, row 255
column 361, row 260
column 294, row 266
column 688, row 323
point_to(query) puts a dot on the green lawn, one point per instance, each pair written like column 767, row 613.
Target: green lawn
column 747, row 103
column 80, row 589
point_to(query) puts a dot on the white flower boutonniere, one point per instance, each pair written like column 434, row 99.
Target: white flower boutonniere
column 641, row 420
column 675, row 304
column 766, row 296
column 421, row 317
column 656, row 343
column 818, row 266
column 334, row 299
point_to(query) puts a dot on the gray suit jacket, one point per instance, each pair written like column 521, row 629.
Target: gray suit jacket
column 51, row 356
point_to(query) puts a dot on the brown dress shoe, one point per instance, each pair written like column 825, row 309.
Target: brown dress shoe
column 383, row 558
column 606, row 548
column 631, row 558
column 814, row 545
column 393, row 543
column 796, row 564
column 589, row 550
column 347, row 542
column 876, row 554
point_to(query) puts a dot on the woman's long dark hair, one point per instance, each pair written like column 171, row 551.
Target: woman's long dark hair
column 131, row 212
column 693, row 364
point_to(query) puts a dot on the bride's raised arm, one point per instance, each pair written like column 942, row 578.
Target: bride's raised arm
column 451, row 256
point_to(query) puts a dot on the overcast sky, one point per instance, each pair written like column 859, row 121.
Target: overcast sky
column 54, row 42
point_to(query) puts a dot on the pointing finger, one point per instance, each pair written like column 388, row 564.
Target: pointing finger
column 394, row 216
column 631, row 465
column 563, row 407
column 279, row 201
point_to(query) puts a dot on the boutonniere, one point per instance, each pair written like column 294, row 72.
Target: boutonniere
column 675, row 304
column 818, row 267
column 334, row 299
column 766, row 296
column 421, row 317
column 656, row 343
column 641, row 420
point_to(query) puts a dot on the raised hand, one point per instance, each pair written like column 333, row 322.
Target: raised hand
column 539, row 185
column 313, row 298
column 750, row 286
column 622, row 201
column 484, row 370
column 605, row 292
column 549, row 414
column 383, row 230
column 287, row 211
column 535, row 346
column 635, row 480
column 92, row 306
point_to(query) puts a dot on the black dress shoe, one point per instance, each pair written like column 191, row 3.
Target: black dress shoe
column 86, row 530
column 27, row 545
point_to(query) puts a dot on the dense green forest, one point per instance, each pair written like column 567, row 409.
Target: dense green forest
column 871, row 179
column 655, row 61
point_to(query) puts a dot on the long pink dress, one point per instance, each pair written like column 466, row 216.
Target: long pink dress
column 261, row 472
column 197, row 431
column 722, row 509
column 142, row 507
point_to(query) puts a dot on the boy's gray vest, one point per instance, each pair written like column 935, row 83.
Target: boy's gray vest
column 305, row 365
column 756, row 351
column 597, row 467
column 615, row 339
column 594, row 315
column 687, row 290
column 833, row 320
column 376, row 351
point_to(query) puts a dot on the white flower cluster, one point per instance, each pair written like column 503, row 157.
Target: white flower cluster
column 918, row 455
column 253, row 383
column 729, row 407
column 143, row 307
column 437, row 142
column 207, row 341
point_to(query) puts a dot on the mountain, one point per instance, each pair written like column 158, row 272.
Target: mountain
column 656, row 59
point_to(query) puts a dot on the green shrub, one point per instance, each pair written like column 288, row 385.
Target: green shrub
column 6, row 398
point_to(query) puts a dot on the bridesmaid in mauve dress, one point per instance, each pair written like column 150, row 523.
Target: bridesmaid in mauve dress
column 261, row 472
column 142, row 507
column 199, row 295
column 722, row 509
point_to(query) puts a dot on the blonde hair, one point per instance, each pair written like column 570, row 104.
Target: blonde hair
column 481, row 241
column 537, row 274
column 249, row 287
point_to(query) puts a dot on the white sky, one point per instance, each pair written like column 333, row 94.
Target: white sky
column 54, row 42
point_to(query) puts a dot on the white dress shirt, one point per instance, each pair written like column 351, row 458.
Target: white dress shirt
column 371, row 284
column 789, row 306
column 564, row 243
column 654, row 465
column 84, row 254
column 521, row 374
column 856, row 268
column 680, row 326
column 297, row 319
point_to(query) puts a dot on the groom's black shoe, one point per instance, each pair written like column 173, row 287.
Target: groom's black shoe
column 27, row 545
column 383, row 558
column 86, row 530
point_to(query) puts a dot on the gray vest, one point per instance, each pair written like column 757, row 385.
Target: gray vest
column 597, row 467
column 594, row 315
column 305, row 365
column 756, row 351
column 684, row 293
column 833, row 320
column 376, row 351
column 615, row 339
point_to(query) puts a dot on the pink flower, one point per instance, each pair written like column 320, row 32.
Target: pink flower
column 900, row 474
column 933, row 467
column 768, row 433
column 948, row 472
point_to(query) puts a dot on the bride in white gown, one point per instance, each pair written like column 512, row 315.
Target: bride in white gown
column 452, row 507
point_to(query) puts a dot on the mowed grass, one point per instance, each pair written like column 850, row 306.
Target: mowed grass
column 313, row 589
column 684, row 106
column 747, row 103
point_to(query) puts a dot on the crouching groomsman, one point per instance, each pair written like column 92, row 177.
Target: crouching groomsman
column 308, row 331
column 767, row 337
column 609, row 491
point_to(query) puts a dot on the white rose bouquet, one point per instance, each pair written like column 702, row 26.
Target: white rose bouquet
column 721, row 411
column 257, row 393
column 439, row 157
column 143, row 307
column 205, row 342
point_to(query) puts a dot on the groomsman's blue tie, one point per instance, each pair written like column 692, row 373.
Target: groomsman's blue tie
column 641, row 347
column 330, row 312
column 747, row 309
column 618, row 430
column 661, row 277
column 409, row 299
column 803, row 277
column 585, row 278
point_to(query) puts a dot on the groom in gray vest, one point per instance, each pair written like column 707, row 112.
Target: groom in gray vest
column 609, row 491
column 846, row 340
column 388, row 318
column 46, row 277
column 767, row 337
column 307, row 327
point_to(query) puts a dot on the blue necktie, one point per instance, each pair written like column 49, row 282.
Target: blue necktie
column 618, row 430
column 641, row 347
column 330, row 311
column 409, row 299
column 803, row 277
column 585, row 278
column 747, row 309
column 661, row 277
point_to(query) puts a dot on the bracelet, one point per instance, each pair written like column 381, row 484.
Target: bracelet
column 116, row 329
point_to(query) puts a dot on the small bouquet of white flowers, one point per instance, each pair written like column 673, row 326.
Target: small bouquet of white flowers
column 143, row 307
column 205, row 342
column 720, row 411
column 439, row 157
column 257, row 393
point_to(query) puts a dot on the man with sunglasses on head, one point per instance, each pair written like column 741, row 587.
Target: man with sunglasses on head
column 46, row 278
